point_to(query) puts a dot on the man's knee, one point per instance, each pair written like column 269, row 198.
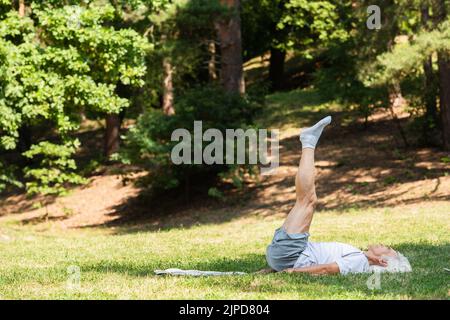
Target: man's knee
column 309, row 199
column 313, row 200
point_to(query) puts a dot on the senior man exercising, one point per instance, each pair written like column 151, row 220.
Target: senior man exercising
column 290, row 250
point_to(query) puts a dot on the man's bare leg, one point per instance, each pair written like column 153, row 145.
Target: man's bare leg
column 281, row 253
column 300, row 216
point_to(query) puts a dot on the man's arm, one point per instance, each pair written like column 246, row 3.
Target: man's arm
column 265, row 271
column 330, row 268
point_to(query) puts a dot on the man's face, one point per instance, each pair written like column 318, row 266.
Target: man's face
column 381, row 250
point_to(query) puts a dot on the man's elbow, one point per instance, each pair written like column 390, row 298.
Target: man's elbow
column 331, row 268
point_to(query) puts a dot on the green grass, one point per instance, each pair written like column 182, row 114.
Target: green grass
column 119, row 264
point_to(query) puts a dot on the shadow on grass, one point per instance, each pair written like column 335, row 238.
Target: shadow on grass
column 428, row 279
column 357, row 169
column 247, row 263
column 357, row 176
column 90, row 162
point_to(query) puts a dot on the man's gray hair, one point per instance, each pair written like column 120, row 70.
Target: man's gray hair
column 400, row 263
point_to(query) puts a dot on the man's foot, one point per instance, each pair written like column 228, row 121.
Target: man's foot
column 310, row 136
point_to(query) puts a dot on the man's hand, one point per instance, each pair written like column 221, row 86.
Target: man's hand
column 375, row 260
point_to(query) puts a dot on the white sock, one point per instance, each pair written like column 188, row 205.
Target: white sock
column 311, row 135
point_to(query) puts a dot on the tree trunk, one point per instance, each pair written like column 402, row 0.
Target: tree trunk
column 112, row 134
column 212, row 72
column 444, row 77
column 444, row 96
column 167, row 99
column 25, row 138
column 430, row 90
column 276, row 68
column 395, row 100
column 395, row 97
column 229, row 34
column 21, row 8
column 430, row 87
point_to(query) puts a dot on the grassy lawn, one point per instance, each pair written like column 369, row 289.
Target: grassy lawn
column 119, row 263
column 411, row 213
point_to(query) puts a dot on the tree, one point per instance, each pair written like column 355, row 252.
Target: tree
column 444, row 78
column 406, row 59
column 430, row 79
column 277, row 49
column 444, row 82
column 229, row 34
column 167, row 33
column 56, row 62
column 112, row 134
column 113, row 121
column 182, row 32
column 168, row 94
column 21, row 8
column 282, row 25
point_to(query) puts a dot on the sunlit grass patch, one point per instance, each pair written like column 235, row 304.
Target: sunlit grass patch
column 120, row 265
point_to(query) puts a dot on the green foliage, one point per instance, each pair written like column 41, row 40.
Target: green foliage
column 338, row 80
column 110, row 55
column 407, row 58
column 54, row 64
column 180, row 31
column 215, row 193
column 311, row 20
column 65, row 60
column 149, row 144
column 290, row 24
column 8, row 178
column 360, row 70
column 56, row 168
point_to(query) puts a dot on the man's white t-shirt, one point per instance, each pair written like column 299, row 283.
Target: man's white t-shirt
column 348, row 258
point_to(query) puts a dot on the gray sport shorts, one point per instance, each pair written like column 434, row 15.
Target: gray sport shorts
column 285, row 249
